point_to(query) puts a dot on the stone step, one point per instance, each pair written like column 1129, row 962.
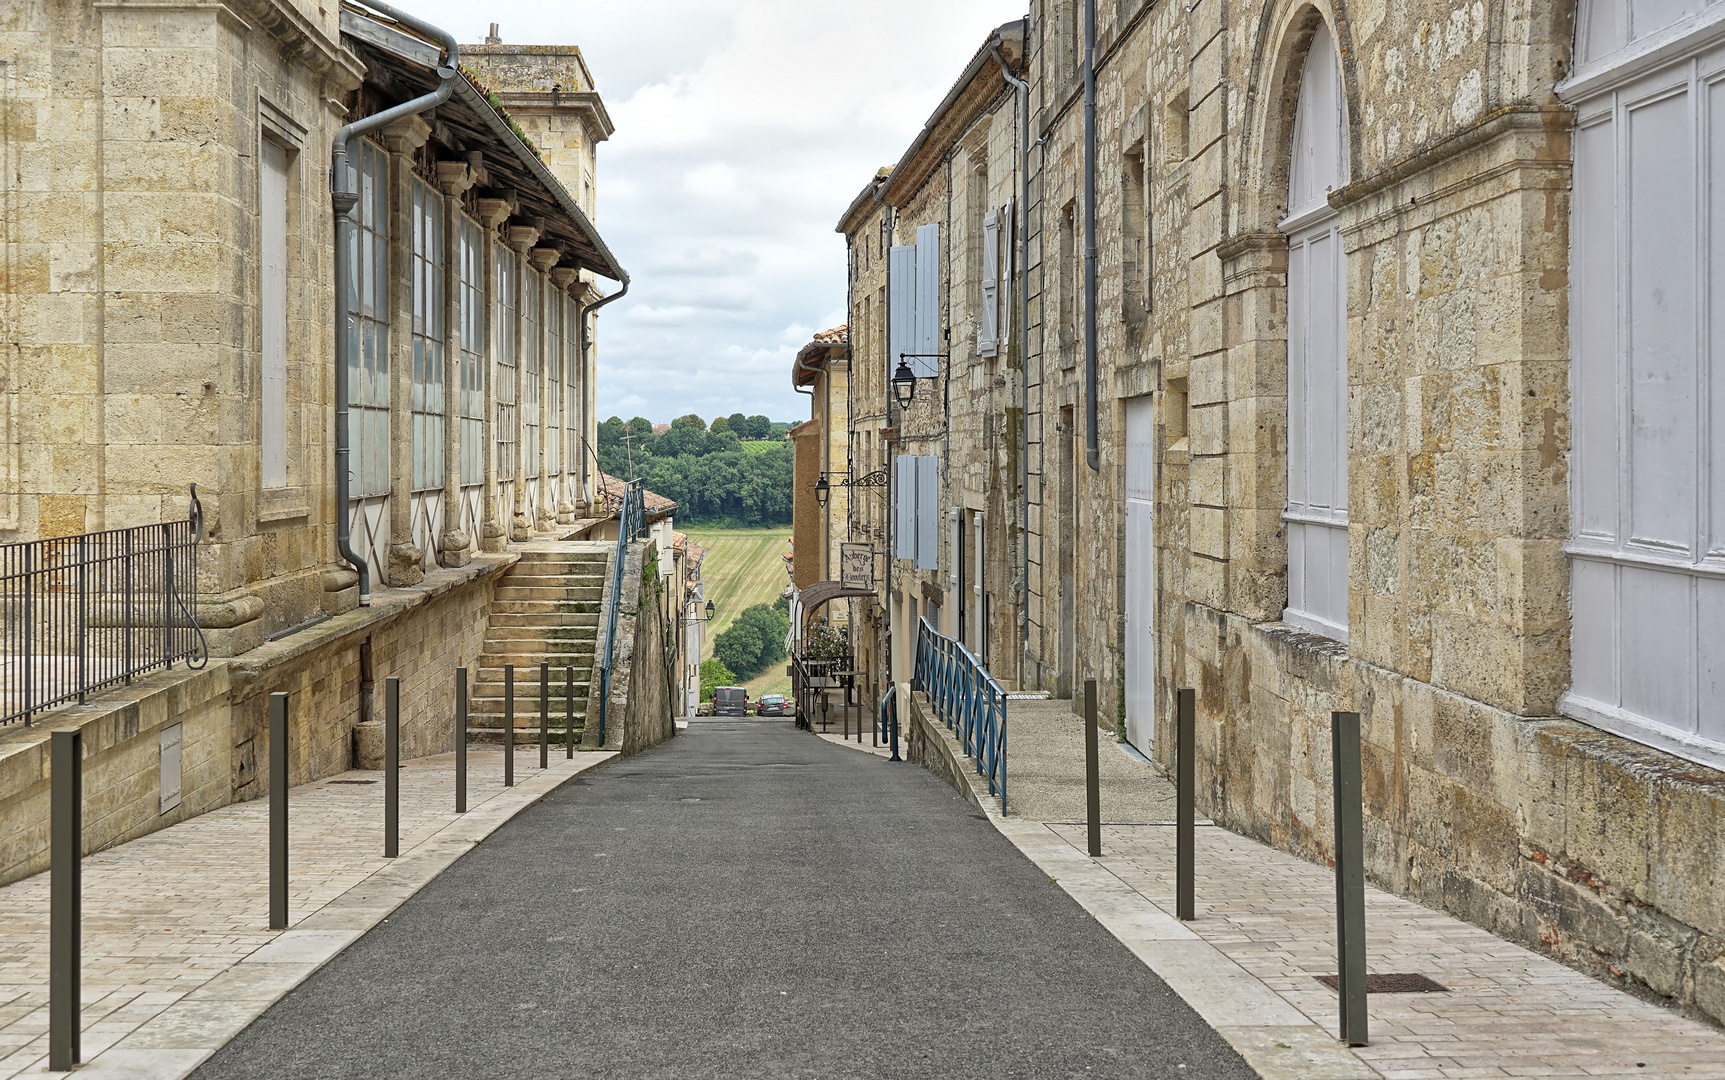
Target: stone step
column 549, row 594
column 515, row 633
column 524, row 620
column 528, row 654
column 536, row 567
column 511, row 606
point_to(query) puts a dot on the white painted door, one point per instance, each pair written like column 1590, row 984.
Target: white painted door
column 1140, row 575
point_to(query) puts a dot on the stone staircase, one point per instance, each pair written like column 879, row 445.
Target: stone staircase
column 547, row 608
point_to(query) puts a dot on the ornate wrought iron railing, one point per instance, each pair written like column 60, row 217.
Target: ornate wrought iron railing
column 968, row 700
column 87, row 612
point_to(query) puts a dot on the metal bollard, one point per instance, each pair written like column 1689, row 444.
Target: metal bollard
column 544, row 714
column 391, row 767
column 1350, row 876
column 508, row 725
column 65, row 898
column 278, row 811
column 1092, row 771
column 1185, row 804
column 461, row 740
column 568, row 712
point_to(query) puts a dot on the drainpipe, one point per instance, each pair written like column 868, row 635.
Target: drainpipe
column 1023, row 227
column 344, row 202
column 1090, row 455
column 581, row 313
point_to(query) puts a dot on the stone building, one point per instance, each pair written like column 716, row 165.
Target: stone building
column 171, row 318
column 1401, row 406
column 821, row 466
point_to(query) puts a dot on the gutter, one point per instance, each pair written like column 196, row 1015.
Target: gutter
column 344, row 201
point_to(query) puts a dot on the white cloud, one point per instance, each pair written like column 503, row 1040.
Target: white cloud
column 744, row 128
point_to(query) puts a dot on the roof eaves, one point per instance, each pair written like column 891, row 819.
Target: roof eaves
column 1008, row 33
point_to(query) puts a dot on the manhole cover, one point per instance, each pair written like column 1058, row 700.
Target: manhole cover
column 353, row 781
column 1390, row 984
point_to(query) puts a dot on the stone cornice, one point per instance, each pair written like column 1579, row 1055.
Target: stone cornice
column 1492, row 125
column 298, row 39
column 544, row 258
column 522, row 237
column 454, row 177
column 493, row 212
column 586, row 103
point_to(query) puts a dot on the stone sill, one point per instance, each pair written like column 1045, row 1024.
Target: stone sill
column 248, row 667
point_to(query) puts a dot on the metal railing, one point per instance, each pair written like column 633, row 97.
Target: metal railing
column 92, row 611
column 631, row 519
column 967, row 699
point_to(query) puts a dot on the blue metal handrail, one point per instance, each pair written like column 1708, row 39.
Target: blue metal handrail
column 631, row 517
column 968, row 700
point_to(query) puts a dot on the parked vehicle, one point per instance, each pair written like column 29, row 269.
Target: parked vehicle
column 771, row 705
column 730, row 701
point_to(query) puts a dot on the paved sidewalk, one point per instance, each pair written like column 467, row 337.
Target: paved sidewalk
column 177, row 958
column 1266, row 930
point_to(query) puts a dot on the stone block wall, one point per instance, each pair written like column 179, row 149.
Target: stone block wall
column 122, row 734
column 639, row 712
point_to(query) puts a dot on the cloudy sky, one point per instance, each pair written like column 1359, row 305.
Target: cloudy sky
column 744, row 128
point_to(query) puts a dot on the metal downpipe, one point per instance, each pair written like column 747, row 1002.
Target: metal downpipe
column 1022, row 226
column 1090, row 454
column 582, row 311
column 344, row 201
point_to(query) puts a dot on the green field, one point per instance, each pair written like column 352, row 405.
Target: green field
column 743, row 567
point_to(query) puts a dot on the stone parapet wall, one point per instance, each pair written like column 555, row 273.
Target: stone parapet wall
column 1570, row 841
column 638, row 713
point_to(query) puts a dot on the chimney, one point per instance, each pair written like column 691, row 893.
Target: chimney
column 492, row 38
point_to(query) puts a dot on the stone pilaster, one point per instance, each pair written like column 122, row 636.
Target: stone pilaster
column 563, row 278
column 521, row 239
column 492, row 213
column 455, row 546
column 402, row 138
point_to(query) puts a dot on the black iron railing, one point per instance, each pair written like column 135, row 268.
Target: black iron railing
column 91, row 611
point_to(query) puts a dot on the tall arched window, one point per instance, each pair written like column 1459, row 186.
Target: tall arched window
column 1647, row 345
column 1317, row 513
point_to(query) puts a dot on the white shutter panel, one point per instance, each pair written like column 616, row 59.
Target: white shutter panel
column 901, row 301
column 927, row 337
column 904, row 507
column 988, row 324
column 927, row 513
column 1008, row 222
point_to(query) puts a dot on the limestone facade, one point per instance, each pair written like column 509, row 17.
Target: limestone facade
column 1453, row 223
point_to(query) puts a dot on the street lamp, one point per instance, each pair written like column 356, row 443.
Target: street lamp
column 904, row 384
column 822, row 490
column 709, row 611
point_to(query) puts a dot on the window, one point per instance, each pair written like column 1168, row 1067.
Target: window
column 1317, row 510
column 576, row 380
column 503, row 308
column 913, row 279
column 1069, row 270
column 532, row 348
column 428, row 337
column 472, row 401
column 368, row 303
column 554, row 383
column 1647, row 483
column 1134, row 241
column 275, row 160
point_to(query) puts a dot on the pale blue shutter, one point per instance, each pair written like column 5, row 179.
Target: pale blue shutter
column 927, row 337
column 927, row 513
column 988, row 322
column 904, row 507
column 901, row 300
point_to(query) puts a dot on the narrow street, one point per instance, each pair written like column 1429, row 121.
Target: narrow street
column 746, row 900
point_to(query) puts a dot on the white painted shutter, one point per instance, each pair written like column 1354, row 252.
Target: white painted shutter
column 956, row 570
column 901, row 302
column 928, row 513
column 1008, row 222
column 988, row 324
column 1140, row 652
column 904, row 507
column 927, row 336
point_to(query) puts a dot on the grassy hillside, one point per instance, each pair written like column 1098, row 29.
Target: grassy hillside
column 743, row 567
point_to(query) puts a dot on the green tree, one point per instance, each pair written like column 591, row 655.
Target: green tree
column 754, row 642
column 739, row 423
column 715, row 674
column 720, row 423
column 759, row 427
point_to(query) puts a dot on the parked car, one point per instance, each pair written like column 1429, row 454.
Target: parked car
column 730, row 701
column 771, row 705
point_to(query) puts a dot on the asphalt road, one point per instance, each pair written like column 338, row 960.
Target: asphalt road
column 744, row 901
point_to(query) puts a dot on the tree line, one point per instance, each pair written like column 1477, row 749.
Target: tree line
column 734, row 472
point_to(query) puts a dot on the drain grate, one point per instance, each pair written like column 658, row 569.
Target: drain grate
column 353, row 781
column 1391, row 984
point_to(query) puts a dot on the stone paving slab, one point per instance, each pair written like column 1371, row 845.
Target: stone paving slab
column 177, row 958
column 1265, row 932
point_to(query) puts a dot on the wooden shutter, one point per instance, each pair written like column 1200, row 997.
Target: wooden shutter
column 904, row 507
column 928, row 513
column 988, row 323
column 273, row 317
column 927, row 337
column 901, row 300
